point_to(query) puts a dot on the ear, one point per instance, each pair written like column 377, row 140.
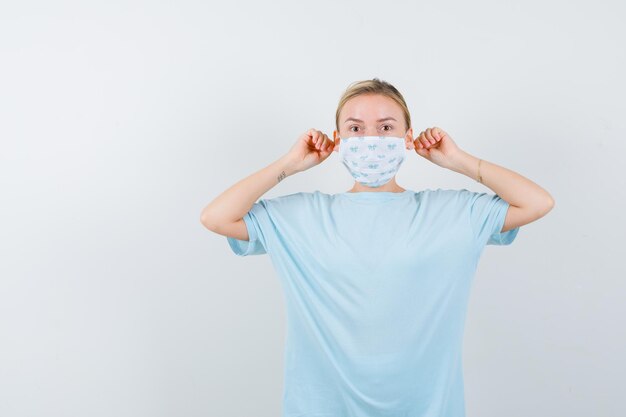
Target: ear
column 409, row 140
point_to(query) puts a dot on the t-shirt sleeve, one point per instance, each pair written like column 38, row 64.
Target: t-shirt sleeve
column 487, row 214
column 258, row 223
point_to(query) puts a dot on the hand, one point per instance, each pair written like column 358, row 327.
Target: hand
column 437, row 146
column 311, row 148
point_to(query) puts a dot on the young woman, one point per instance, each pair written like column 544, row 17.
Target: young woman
column 377, row 278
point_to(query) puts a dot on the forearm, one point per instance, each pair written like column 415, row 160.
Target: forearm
column 232, row 204
column 517, row 190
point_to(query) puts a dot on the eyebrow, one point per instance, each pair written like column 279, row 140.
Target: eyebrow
column 361, row 121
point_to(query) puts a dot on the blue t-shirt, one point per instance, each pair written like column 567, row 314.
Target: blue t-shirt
column 376, row 287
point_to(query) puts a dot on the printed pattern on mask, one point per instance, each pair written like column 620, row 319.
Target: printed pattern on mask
column 372, row 160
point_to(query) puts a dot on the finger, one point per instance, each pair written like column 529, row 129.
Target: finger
column 320, row 141
column 429, row 136
column 330, row 145
column 323, row 141
column 418, row 141
column 421, row 151
column 316, row 139
column 422, row 138
column 439, row 135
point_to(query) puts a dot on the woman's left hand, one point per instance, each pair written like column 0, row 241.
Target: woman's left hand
column 437, row 146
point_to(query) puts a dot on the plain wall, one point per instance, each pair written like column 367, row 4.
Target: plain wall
column 120, row 121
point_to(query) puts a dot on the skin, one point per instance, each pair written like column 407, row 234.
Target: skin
column 528, row 201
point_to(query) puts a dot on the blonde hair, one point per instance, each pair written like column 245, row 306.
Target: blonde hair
column 373, row 86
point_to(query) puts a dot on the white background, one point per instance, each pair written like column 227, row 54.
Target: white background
column 120, row 121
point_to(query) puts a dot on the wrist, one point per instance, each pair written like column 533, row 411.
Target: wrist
column 468, row 165
column 286, row 165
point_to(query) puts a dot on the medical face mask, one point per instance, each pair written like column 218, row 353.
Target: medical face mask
column 372, row 160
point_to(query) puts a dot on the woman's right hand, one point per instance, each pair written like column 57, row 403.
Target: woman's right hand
column 311, row 148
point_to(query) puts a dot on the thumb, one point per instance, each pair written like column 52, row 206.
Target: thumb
column 421, row 151
column 326, row 153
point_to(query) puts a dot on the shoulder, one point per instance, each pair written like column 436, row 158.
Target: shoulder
column 457, row 199
column 449, row 193
column 305, row 196
column 288, row 201
column 444, row 194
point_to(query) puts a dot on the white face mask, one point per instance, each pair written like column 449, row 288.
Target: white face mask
column 372, row 160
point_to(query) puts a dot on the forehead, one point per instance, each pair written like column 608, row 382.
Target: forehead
column 370, row 107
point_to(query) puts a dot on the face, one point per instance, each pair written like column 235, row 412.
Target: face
column 372, row 115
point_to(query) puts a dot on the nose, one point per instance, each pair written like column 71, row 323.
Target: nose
column 371, row 132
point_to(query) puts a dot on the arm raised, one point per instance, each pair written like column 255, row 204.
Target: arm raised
column 528, row 201
column 224, row 215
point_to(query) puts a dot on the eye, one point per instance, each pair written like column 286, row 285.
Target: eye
column 389, row 126
column 352, row 127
